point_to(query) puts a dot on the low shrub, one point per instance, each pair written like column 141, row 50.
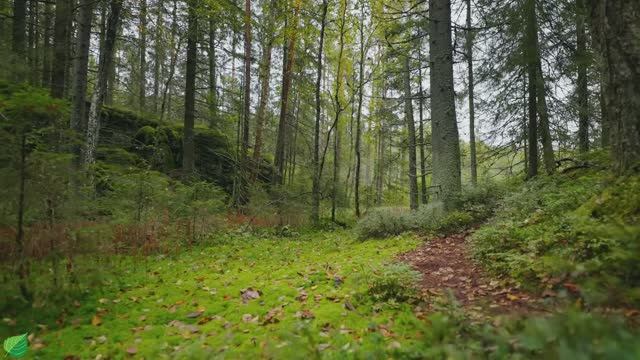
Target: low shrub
column 393, row 282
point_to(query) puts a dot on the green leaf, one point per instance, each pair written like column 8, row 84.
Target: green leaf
column 17, row 346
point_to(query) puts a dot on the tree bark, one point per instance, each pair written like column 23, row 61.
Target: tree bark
column 287, row 72
column 532, row 82
column 359, row 113
column 46, row 46
column 142, row 96
column 543, row 114
column 159, row 53
column 60, row 47
column 81, row 65
column 472, row 117
column 616, row 25
column 213, row 91
column 188, row 145
column 444, row 133
column 99, row 93
column 582, row 86
column 411, row 136
column 19, row 28
column 315, row 192
column 424, row 197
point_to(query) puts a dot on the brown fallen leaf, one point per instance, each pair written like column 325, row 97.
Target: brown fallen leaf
column 272, row 316
column 302, row 296
column 304, row 314
column 248, row 318
column 349, row 306
column 96, row 320
column 132, row 350
column 195, row 314
column 249, row 294
column 573, row 288
column 512, row 297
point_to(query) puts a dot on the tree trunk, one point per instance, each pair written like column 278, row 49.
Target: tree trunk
column 411, row 136
column 582, row 85
column 99, row 93
column 46, row 46
column 188, row 145
column 615, row 23
column 287, row 73
column 315, row 192
column 472, row 117
column 532, row 82
column 213, row 92
column 60, row 47
column 444, row 133
column 423, row 163
column 543, row 113
column 143, row 55
column 159, row 53
column 359, row 112
column 81, row 65
column 19, row 28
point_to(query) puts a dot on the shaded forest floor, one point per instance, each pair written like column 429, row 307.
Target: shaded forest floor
column 447, row 269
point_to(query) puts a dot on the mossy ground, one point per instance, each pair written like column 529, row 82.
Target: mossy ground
column 135, row 309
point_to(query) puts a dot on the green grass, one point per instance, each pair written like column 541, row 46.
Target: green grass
column 137, row 305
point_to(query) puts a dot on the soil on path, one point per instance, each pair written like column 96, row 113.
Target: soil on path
column 446, row 266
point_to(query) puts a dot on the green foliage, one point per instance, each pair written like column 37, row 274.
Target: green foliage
column 393, row 282
column 581, row 226
column 472, row 206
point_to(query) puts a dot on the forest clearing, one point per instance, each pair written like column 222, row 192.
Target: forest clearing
column 324, row 179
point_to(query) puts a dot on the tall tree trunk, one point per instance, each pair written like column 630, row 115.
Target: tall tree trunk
column 582, row 85
column 411, row 136
column 424, row 197
column 315, row 191
column 46, row 46
column 359, row 112
column 23, row 265
column 19, row 28
column 532, row 65
column 99, row 93
column 338, row 110
column 543, row 113
column 472, row 117
column 444, row 133
column 60, row 47
column 213, row 92
column 159, row 53
column 188, row 145
column 242, row 197
column 287, row 73
column 143, row 56
column 81, row 65
column 615, row 26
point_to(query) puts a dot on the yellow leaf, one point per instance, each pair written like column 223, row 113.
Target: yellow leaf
column 96, row 320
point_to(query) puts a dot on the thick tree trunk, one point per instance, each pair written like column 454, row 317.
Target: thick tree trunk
column 60, row 47
column 544, row 125
column 472, row 117
column 616, row 25
column 19, row 28
column 444, row 134
column 99, row 93
column 411, row 136
column 582, row 86
column 287, row 73
column 315, row 191
column 81, row 65
column 142, row 96
column 188, row 145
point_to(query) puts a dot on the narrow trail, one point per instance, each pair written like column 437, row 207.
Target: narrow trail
column 446, row 266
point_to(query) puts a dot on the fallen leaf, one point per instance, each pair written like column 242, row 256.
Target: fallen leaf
column 249, row 294
column 349, row 306
column 512, row 297
column 96, row 320
column 195, row 314
column 248, row 318
column 573, row 288
column 132, row 350
column 272, row 316
column 302, row 296
column 304, row 314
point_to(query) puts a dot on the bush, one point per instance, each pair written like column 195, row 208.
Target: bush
column 393, row 282
column 384, row 222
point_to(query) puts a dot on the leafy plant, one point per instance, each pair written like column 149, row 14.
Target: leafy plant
column 16, row 346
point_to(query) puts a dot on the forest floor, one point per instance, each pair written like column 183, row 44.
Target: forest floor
column 447, row 269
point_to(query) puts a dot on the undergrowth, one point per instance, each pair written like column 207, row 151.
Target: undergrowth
column 575, row 232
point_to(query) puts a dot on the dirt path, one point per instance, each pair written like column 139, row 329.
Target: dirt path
column 446, row 265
